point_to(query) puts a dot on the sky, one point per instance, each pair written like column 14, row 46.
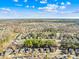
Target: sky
column 39, row 8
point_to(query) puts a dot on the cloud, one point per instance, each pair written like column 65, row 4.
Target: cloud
column 62, row 3
column 8, row 9
column 25, row 0
column 16, row 0
column 27, row 6
column 55, row 0
column 49, row 8
column 62, row 7
column 5, row 10
column 54, row 8
column 68, row 3
column 43, row 1
column 33, row 6
column 19, row 5
column 36, row 0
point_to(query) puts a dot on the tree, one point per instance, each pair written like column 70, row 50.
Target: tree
column 36, row 43
column 28, row 43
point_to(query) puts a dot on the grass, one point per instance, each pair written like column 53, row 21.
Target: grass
column 4, row 43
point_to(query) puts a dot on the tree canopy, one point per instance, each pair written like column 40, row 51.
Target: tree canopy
column 36, row 43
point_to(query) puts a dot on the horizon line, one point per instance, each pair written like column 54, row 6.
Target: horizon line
column 43, row 18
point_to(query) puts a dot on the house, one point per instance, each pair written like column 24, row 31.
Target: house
column 53, row 49
column 71, row 51
column 77, row 51
column 64, row 51
column 8, row 51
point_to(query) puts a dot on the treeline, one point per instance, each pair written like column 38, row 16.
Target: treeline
column 39, row 43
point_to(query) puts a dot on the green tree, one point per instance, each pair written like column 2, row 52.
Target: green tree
column 28, row 43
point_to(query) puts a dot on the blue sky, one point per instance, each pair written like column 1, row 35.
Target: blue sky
column 39, row 8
